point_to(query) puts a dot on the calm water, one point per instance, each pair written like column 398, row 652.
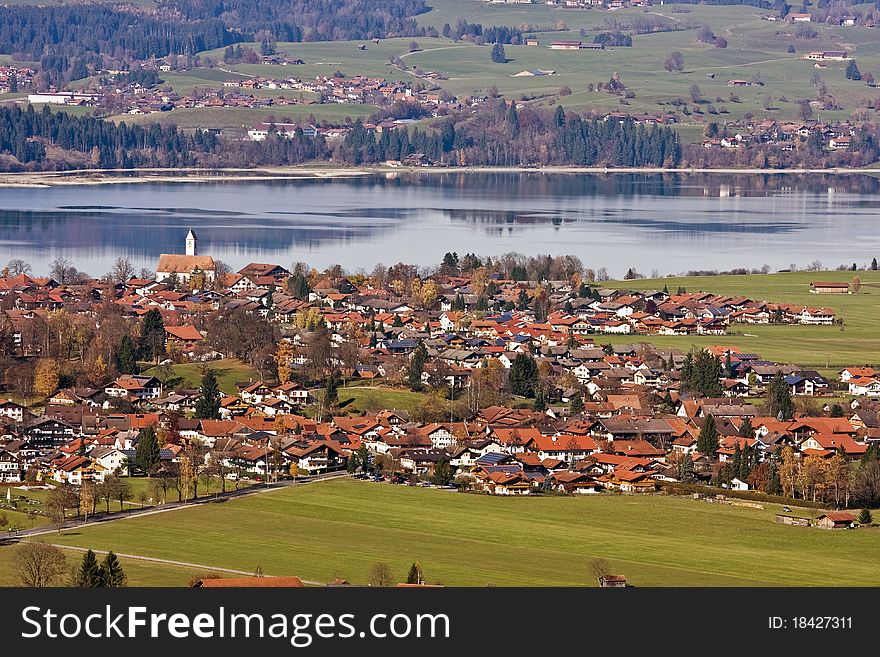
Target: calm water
column 667, row 223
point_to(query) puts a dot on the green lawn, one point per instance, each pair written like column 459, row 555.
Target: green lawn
column 229, row 372
column 379, row 399
column 140, row 573
column 825, row 347
column 340, row 528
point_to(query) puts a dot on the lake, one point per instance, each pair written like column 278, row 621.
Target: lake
column 663, row 223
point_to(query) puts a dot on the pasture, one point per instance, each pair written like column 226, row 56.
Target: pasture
column 340, row 528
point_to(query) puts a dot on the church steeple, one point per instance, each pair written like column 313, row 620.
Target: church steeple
column 192, row 243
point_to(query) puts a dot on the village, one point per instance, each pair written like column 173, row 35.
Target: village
column 529, row 387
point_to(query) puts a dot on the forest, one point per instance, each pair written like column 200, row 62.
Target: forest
column 74, row 41
column 502, row 135
column 317, row 20
column 496, row 134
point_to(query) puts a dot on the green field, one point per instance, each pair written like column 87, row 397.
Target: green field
column 140, row 573
column 754, row 49
column 827, row 348
column 229, row 372
column 340, row 528
column 379, row 399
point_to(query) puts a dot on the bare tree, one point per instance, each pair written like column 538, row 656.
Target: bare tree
column 380, row 574
column 18, row 266
column 122, row 270
column 39, row 564
column 600, row 568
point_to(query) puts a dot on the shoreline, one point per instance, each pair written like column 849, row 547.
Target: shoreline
column 199, row 175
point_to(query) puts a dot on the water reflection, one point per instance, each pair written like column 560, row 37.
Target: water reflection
column 667, row 222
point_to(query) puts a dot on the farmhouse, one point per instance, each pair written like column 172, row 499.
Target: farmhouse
column 829, row 288
column 828, row 55
column 835, row 520
column 566, row 45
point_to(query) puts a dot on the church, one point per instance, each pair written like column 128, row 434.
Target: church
column 184, row 266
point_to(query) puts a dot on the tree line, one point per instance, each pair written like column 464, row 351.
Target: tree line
column 501, row 134
column 309, row 20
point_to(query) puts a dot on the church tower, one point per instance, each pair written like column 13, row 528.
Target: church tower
column 192, row 243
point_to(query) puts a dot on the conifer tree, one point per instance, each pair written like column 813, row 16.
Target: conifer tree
column 147, row 451
column 89, row 572
column 707, row 441
column 126, row 358
column 112, row 574
column 151, row 343
column 208, row 401
column 415, row 575
column 779, row 402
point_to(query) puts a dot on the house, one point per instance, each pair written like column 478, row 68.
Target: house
column 15, row 412
column 182, row 338
column 11, row 467
column 75, row 469
column 566, row 45
column 835, row 520
column 612, row 582
column 109, row 458
column 135, row 387
column 856, row 372
column 48, row 433
column 829, row 288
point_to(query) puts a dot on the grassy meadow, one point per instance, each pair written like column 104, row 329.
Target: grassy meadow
column 341, row 528
column 140, row 573
column 756, row 49
column 827, row 348
column 229, row 371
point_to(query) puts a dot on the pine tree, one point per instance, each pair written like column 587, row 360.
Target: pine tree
column 112, row 575
column 417, row 367
column 686, row 469
column 774, row 485
column 331, row 390
column 707, row 441
column 576, row 405
column 523, row 376
column 559, row 117
column 89, row 572
column 151, row 343
column 498, row 55
column 852, row 71
column 865, row 517
column 208, row 401
column 746, row 430
column 779, row 400
column 126, row 358
column 415, row 574
column 147, row 452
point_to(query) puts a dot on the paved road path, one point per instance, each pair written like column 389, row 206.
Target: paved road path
column 171, row 562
